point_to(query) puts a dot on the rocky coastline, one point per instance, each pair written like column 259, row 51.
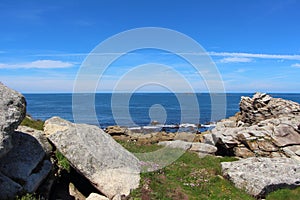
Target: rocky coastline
column 264, row 136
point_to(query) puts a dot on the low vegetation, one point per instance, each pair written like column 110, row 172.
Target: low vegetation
column 189, row 177
column 286, row 194
column 36, row 124
column 62, row 162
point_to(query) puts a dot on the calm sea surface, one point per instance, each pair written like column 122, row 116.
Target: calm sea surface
column 141, row 108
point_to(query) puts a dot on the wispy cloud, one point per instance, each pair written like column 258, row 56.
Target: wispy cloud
column 255, row 55
column 296, row 65
column 38, row 64
column 236, row 60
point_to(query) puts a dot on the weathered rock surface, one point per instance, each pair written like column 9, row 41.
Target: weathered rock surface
column 95, row 154
column 262, row 106
column 203, row 149
column 38, row 135
column 8, row 187
column 264, row 127
column 12, row 112
column 115, row 130
column 260, row 176
column 176, row 144
column 22, row 163
column 94, row 196
column 25, row 163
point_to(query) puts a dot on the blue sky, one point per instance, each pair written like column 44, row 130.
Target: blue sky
column 254, row 44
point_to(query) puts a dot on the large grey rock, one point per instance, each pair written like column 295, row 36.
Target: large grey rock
column 96, row 155
column 25, row 163
column 12, row 112
column 260, row 176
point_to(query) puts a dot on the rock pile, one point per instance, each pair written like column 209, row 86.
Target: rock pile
column 265, row 126
column 266, row 133
column 22, row 157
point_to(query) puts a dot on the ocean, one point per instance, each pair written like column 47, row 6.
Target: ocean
column 141, row 109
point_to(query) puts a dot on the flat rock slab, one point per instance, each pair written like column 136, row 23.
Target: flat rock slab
column 260, row 176
column 96, row 155
column 176, row 144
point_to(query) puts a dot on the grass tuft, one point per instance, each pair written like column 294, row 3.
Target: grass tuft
column 62, row 161
column 35, row 124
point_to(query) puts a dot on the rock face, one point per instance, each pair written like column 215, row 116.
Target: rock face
column 23, row 166
column 265, row 126
column 12, row 112
column 260, row 176
column 95, row 154
column 262, row 106
column 25, row 163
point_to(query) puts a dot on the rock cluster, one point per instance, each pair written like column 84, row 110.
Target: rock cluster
column 22, row 157
column 262, row 106
column 265, row 126
column 124, row 134
column 265, row 134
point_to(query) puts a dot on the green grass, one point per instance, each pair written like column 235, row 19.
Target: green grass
column 286, row 194
column 28, row 197
column 189, row 177
column 36, row 124
column 62, row 162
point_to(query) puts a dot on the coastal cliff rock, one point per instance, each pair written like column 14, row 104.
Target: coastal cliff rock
column 12, row 112
column 96, row 155
column 23, row 166
column 260, row 176
column 262, row 106
column 265, row 126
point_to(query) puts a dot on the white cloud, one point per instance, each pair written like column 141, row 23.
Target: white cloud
column 296, row 65
column 38, row 64
column 235, row 60
column 256, row 55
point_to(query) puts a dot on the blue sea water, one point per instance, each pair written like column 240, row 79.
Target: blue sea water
column 170, row 108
